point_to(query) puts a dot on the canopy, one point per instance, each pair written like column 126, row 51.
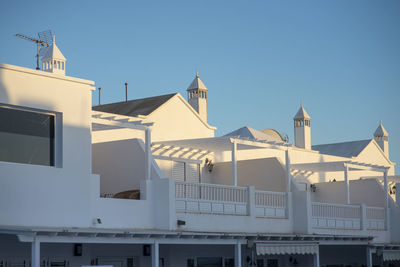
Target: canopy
column 393, row 255
column 280, row 249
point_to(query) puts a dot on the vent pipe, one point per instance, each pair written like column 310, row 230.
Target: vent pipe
column 126, row 92
column 99, row 96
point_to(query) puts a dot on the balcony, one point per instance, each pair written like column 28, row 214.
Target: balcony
column 229, row 200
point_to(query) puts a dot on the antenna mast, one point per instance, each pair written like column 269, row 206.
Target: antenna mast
column 42, row 43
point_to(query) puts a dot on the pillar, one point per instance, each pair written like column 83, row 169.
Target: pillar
column 238, row 255
column 234, row 164
column 155, row 254
column 397, row 194
column 369, row 257
column 386, row 188
column 316, row 259
column 35, row 253
column 148, row 154
column 288, row 182
column 346, row 182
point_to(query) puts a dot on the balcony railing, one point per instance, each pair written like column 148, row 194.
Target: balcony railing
column 211, row 192
column 349, row 217
column 336, row 216
column 270, row 204
column 375, row 218
column 229, row 200
column 211, row 198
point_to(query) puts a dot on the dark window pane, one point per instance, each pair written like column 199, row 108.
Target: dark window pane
column 209, row 262
column 26, row 137
column 229, row 263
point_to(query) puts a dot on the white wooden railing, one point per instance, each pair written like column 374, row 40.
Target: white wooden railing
column 331, row 210
column 336, row 216
column 211, row 198
column 375, row 218
column 213, row 192
column 270, row 204
column 352, row 217
column 270, row 199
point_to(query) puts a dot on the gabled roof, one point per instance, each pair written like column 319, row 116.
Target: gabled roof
column 144, row 106
column 252, row 134
column 197, row 84
column 302, row 114
column 380, row 131
column 53, row 52
column 345, row 149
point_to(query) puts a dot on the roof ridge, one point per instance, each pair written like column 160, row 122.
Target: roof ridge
column 137, row 99
column 364, row 140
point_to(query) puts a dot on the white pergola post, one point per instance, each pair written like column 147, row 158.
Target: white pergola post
column 369, row 257
column 346, row 182
column 155, row 254
column 35, row 253
column 386, row 188
column 148, row 153
column 234, row 164
column 316, row 259
column 238, row 255
column 288, row 184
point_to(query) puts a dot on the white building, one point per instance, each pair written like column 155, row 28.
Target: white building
column 145, row 183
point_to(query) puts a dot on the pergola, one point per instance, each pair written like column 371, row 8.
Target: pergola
column 204, row 146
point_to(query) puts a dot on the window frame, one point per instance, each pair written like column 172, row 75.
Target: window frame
column 57, row 139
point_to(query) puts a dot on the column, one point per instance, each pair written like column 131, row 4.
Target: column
column 155, row 254
column 346, row 182
column 35, row 253
column 316, row 259
column 288, row 182
column 148, row 153
column 397, row 194
column 238, row 255
column 234, row 164
column 387, row 210
column 369, row 257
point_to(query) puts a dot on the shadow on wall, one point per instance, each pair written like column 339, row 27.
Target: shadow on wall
column 265, row 174
column 120, row 165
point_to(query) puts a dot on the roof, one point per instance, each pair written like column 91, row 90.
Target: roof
column 252, row 134
column 53, row 52
column 302, row 114
column 135, row 107
column 197, row 84
column 345, row 149
column 380, row 131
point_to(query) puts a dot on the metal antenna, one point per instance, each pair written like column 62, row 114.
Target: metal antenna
column 126, row 92
column 99, row 95
column 42, row 43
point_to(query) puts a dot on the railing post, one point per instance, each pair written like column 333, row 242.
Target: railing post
column 251, row 201
column 364, row 222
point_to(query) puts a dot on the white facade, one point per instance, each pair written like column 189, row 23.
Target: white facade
column 161, row 190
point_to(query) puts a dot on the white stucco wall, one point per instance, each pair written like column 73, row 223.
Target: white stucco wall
column 41, row 195
column 176, row 120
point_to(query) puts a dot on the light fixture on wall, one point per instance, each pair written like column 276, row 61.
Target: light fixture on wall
column 313, row 187
column 209, row 165
column 392, row 190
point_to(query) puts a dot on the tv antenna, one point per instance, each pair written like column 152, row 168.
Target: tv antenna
column 42, row 43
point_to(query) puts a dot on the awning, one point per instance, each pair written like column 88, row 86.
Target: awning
column 391, row 255
column 280, row 249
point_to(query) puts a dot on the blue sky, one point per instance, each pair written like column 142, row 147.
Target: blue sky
column 259, row 59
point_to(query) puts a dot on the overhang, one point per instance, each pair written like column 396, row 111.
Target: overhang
column 282, row 249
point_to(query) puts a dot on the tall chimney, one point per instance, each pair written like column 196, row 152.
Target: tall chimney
column 99, row 95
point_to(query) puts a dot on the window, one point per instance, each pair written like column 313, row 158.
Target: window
column 209, row 262
column 26, row 136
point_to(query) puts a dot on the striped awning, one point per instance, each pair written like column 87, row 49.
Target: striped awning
column 393, row 255
column 280, row 249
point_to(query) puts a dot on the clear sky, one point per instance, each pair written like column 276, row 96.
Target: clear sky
column 259, row 59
